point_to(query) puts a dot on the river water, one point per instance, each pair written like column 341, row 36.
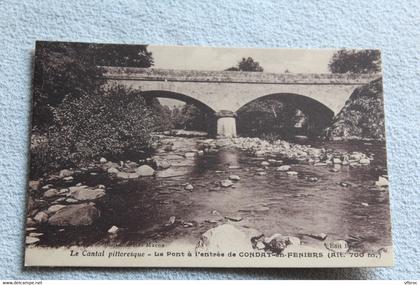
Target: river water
column 273, row 203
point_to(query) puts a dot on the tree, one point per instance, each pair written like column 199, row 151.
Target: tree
column 123, row 55
column 61, row 69
column 268, row 116
column 355, row 61
column 247, row 64
column 191, row 117
column 64, row 69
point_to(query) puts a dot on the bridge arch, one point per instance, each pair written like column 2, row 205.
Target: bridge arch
column 209, row 120
column 318, row 115
column 178, row 96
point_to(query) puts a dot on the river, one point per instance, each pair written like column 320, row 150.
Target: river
column 272, row 203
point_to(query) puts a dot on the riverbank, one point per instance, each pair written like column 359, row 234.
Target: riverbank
column 186, row 188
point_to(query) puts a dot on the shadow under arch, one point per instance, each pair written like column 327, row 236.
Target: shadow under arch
column 210, row 112
column 319, row 116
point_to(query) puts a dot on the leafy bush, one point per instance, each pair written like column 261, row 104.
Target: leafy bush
column 116, row 125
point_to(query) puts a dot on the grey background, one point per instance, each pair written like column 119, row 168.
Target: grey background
column 389, row 25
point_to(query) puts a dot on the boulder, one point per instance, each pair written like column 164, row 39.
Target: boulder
column 77, row 187
column 234, row 177
column 50, row 193
column 265, row 163
column 234, row 218
column 312, row 179
column 68, row 178
column 259, row 153
column 113, row 230
column 382, row 182
column 55, row 208
column 41, row 217
column 131, row 164
column 234, row 167
column 314, row 152
column 224, row 238
column 189, row 187
column 102, row 160
column 226, row 183
column 34, row 185
column 72, row 201
column 127, row 175
column 262, row 173
column 337, row 161
column 172, row 172
column 190, row 155
column 36, row 234
column 277, row 243
column 364, row 161
column 75, row 215
column 65, row 172
column 162, row 163
column 31, row 240
column 292, row 173
column 145, row 170
column 284, row 168
column 84, row 194
column 112, row 170
column 356, row 156
column 30, row 222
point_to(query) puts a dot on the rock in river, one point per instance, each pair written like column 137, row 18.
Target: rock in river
column 41, row 217
column 84, row 194
column 161, row 163
column 113, row 230
column 234, row 177
column 284, row 168
column 112, row 170
column 190, row 155
column 189, row 187
column 226, row 183
column 75, row 215
column 50, row 193
column 382, row 182
column 65, row 172
column 127, row 175
column 145, row 170
column 55, row 208
column 31, row 240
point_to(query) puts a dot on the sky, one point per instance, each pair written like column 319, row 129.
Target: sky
column 211, row 58
column 219, row 59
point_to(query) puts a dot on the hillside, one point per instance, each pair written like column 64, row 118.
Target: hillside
column 362, row 117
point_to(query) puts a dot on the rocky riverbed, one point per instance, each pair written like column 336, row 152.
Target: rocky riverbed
column 269, row 195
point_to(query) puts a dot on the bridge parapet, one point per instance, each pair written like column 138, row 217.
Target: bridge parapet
column 154, row 74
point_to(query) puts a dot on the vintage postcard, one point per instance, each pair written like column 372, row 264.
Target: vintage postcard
column 172, row 156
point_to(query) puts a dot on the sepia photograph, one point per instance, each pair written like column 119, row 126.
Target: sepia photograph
column 180, row 156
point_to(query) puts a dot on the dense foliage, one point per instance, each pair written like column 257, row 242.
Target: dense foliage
column 71, row 70
column 363, row 115
column 76, row 117
column 116, row 124
column 355, row 61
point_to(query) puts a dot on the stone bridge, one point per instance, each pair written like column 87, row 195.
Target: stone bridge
column 225, row 92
